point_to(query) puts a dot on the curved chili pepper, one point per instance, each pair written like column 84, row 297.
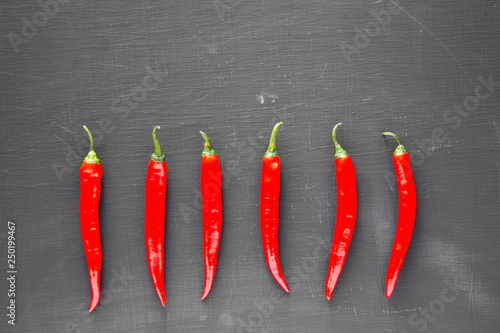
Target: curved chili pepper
column 269, row 208
column 90, row 193
column 406, row 213
column 156, row 192
column 211, row 185
column 347, row 205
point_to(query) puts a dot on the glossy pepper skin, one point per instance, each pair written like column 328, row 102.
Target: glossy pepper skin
column 347, row 205
column 90, row 193
column 269, row 209
column 211, row 198
column 156, row 192
column 406, row 213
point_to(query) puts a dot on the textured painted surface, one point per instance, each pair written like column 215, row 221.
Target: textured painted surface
column 233, row 69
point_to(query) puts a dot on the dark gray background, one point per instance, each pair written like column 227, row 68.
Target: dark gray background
column 233, row 69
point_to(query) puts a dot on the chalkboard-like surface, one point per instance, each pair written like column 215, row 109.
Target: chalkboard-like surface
column 428, row 71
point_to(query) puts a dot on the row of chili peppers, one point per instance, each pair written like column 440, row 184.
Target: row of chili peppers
column 210, row 181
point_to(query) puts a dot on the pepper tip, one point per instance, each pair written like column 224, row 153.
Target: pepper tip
column 388, row 291
column 283, row 285
column 206, row 289
column 93, row 306
column 161, row 295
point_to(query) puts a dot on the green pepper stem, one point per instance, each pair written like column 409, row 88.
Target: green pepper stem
column 91, row 156
column 90, row 137
column 339, row 151
column 207, row 148
column 157, row 156
column 400, row 148
column 272, row 142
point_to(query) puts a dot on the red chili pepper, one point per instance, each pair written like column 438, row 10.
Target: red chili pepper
column 269, row 208
column 406, row 213
column 347, row 205
column 90, row 192
column 211, row 185
column 156, row 192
